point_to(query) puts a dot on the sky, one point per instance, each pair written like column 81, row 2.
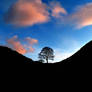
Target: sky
column 29, row 25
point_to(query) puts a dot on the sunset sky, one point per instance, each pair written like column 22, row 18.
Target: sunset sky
column 29, row 25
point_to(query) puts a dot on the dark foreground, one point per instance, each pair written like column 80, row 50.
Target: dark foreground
column 79, row 62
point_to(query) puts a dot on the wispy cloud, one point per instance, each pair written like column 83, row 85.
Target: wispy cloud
column 31, row 40
column 83, row 15
column 21, row 48
column 57, row 10
column 15, row 44
column 80, row 17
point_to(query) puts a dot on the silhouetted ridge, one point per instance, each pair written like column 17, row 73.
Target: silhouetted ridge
column 8, row 56
column 81, row 60
column 85, row 53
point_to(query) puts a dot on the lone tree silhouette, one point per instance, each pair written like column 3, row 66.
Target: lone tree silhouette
column 46, row 54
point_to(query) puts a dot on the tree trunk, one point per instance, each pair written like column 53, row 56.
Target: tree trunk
column 47, row 60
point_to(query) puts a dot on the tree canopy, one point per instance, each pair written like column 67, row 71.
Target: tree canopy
column 46, row 53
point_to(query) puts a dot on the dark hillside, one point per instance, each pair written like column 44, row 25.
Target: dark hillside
column 81, row 60
column 10, row 57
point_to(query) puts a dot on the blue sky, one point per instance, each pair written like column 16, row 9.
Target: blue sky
column 64, row 25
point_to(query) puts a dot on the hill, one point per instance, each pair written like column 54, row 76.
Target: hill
column 11, row 57
column 11, row 60
column 80, row 61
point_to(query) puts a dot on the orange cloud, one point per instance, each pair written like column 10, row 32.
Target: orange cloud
column 27, row 13
column 83, row 16
column 57, row 10
column 16, row 44
column 31, row 41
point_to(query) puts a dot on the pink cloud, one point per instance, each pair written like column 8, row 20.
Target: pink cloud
column 57, row 10
column 82, row 16
column 31, row 41
column 27, row 13
column 17, row 45
column 30, row 12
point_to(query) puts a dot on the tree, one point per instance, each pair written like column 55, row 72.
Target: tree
column 46, row 54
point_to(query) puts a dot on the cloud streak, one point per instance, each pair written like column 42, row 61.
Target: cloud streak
column 57, row 10
column 17, row 45
column 83, row 15
column 31, row 41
